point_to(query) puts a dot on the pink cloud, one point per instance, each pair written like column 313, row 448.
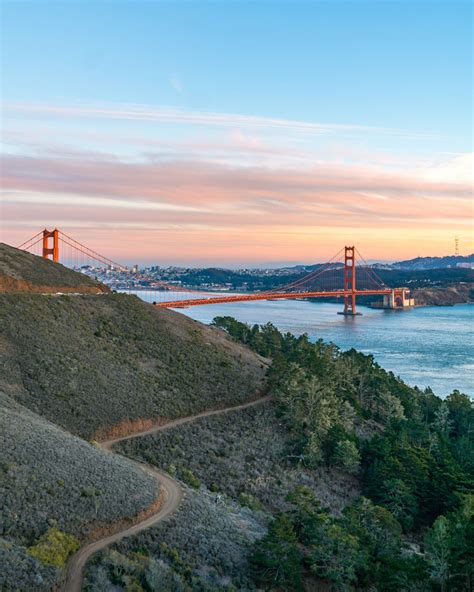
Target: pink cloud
column 222, row 211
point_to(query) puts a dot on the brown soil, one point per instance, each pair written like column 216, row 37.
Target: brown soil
column 127, row 427
column 105, row 531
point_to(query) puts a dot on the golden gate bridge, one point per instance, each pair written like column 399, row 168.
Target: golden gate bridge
column 346, row 275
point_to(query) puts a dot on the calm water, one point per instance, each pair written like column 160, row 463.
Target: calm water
column 430, row 346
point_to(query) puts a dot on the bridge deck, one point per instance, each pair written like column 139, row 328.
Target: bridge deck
column 269, row 296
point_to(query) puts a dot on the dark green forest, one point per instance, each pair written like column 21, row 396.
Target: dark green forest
column 413, row 526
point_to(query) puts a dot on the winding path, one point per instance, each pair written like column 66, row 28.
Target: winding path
column 173, row 493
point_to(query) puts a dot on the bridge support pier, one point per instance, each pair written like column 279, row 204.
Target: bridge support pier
column 398, row 299
column 350, row 308
column 54, row 251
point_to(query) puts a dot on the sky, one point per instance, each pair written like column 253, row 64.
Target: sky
column 239, row 133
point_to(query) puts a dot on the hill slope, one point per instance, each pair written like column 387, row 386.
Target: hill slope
column 23, row 272
column 49, row 478
column 95, row 364
column 90, row 363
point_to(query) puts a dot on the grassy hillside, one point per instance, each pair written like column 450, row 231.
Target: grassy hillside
column 23, row 272
column 245, row 454
column 95, row 364
column 54, row 484
column 90, row 363
column 203, row 547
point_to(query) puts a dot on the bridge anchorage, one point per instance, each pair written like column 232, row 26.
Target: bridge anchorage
column 346, row 276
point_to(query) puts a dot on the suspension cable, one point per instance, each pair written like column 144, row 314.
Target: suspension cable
column 311, row 276
column 90, row 252
column 30, row 239
column 370, row 270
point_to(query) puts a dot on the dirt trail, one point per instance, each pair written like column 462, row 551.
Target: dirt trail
column 173, row 494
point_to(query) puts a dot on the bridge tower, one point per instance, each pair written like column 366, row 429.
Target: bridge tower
column 54, row 250
column 350, row 281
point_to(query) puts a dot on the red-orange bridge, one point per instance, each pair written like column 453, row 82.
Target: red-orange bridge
column 347, row 275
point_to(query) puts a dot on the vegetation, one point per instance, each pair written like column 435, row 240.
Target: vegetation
column 56, row 489
column 54, row 547
column 90, row 363
column 246, row 455
column 50, row 477
column 405, row 523
column 23, row 272
column 203, row 547
column 21, row 571
column 412, row 450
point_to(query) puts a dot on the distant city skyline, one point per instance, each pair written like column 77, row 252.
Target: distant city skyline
column 239, row 134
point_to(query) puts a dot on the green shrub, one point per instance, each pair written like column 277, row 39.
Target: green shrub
column 54, row 547
column 190, row 478
column 246, row 499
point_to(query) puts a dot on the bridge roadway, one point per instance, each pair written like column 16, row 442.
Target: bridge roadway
column 271, row 296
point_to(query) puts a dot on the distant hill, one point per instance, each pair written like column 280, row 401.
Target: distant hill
column 23, row 272
column 421, row 263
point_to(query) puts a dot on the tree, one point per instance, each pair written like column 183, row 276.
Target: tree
column 400, row 500
column 346, row 455
column 438, row 542
column 461, row 413
column 277, row 557
column 309, row 405
column 461, row 530
column 442, row 421
column 335, row 555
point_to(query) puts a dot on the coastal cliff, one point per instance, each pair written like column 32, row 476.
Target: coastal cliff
column 445, row 296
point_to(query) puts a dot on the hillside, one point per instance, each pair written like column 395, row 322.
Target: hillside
column 23, row 272
column 324, row 484
column 347, row 480
column 94, row 365
column 435, row 262
column 446, row 296
column 91, row 364
column 53, row 483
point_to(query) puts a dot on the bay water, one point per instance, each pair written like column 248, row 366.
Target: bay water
column 429, row 346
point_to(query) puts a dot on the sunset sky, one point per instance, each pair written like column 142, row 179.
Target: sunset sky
column 239, row 133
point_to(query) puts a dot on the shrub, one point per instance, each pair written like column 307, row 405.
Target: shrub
column 190, row 478
column 54, row 547
column 246, row 499
column 203, row 546
column 54, row 476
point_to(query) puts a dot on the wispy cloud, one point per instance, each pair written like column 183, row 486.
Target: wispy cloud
column 246, row 194
column 176, row 115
